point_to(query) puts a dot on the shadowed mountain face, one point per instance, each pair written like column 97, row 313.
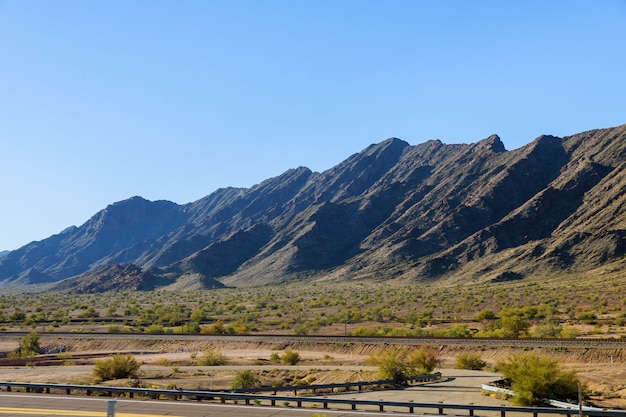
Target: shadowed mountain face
column 470, row 211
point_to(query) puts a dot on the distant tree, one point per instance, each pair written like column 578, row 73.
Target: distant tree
column 198, row 315
column 18, row 316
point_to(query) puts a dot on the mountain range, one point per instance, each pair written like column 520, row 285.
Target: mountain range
column 471, row 212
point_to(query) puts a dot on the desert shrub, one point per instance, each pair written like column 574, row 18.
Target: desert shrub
column 116, row 367
column 391, row 363
column 534, row 378
column 470, row 361
column 90, row 312
column 486, row 314
column 397, row 363
column 569, row 333
column 422, row 361
column 459, row 330
column 301, row 329
column 274, row 357
column 29, row 345
column 212, row 357
column 217, row 327
column 290, row 357
column 586, row 315
column 191, row 328
column 546, row 329
column 156, row 328
column 245, row 379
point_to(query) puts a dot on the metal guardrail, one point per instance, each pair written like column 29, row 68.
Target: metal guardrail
column 313, row 401
column 553, row 403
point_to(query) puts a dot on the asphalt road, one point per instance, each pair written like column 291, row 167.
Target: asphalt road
column 18, row 404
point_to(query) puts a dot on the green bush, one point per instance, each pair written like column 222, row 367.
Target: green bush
column 534, row 378
column 569, row 333
column 245, row 379
column 397, row 363
column 216, row 327
column 422, row 361
column 191, row 328
column 156, row 328
column 116, row 367
column 212, row 357
column 486, row 314
column 470, row 361
column 290, row 357
column 29, row 345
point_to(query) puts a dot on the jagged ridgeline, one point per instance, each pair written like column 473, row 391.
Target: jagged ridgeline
column 425, row 212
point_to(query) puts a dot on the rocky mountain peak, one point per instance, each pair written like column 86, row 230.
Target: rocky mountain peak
column 423, row 212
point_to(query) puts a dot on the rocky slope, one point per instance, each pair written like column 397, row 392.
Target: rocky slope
column 466, row 211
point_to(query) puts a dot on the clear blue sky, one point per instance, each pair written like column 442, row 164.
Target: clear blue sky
column 104, row 100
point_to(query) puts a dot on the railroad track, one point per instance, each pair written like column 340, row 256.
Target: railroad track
column 257, row 338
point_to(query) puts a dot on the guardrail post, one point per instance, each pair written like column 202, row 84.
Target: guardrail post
column 68, row 391
column 325, row 404
column 502, row 413
column 299, row 403
column 111, row 408
column 411, row 407
column 440, row 408
column 471, row 410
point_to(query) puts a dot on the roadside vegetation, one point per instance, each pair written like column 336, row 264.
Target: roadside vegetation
column 550, row 308
column 29, row 347
column 535, row 378
column 470, row 361
column 116, row 367
column 399, row 363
